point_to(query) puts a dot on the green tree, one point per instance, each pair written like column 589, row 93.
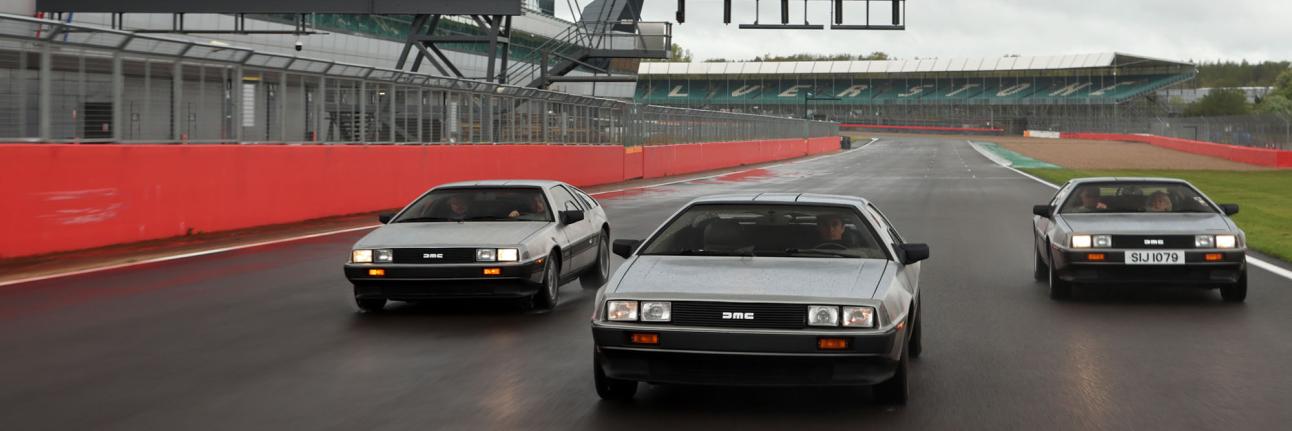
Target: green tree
column 677, row 53
column 1219, row 102
column 1276, row 104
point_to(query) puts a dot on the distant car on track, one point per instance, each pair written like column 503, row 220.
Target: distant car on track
column 1132, row 231
column 519, row 239
column 762, row 289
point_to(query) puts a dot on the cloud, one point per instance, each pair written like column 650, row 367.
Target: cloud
column 1173, row 29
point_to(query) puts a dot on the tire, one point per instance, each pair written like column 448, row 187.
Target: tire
column 595, row 276
column 1042, row 271
column 547, row 297
column 1236, row 292
column 915, row 345
column 370, row 305
column 895, row 391
column 1059, row 290
column 611, row 389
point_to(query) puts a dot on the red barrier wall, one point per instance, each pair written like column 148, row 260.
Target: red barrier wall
column 1250, row 155
column 59, row 197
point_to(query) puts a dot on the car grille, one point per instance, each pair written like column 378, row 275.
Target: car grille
column 449, row 255
column 1168, row 241
column 769, row 316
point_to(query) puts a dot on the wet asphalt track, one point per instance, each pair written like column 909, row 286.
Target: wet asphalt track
column 267, row 338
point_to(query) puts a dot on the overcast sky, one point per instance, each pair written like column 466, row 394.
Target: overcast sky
column 1171, row 29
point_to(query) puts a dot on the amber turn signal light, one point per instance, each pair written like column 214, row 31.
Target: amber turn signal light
column 376, row 272
column 493, row 271
column 645, row 338
column 1212, row 257
column 1095, row 257
column 832, row 343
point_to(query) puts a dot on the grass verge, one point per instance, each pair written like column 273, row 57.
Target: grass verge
column 1264, row 199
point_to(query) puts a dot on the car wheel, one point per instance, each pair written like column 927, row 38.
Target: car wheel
column 547, row 297
column 1059, row 289
column 915, row 345
column 612, row 389
column 595, row 276
column 370, row 305
column 1042, row 271
column 894, row 391
column 1236, row 292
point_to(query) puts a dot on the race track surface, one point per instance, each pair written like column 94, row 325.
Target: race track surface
column 268, row 338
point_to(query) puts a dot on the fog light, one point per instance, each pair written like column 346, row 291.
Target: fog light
column 645, row 338
column 1081, row 241
column 493, row 271
column 1226, row 241
column 1095, row 257
column 832, row 343
column 376, row 272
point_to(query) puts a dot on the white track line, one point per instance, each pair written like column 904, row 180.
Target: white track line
column 1255, row 261
column 352, row 229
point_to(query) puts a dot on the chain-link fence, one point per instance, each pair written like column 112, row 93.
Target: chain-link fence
column 72, row 83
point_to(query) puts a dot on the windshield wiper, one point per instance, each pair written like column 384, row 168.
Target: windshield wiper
column 422, row 219
column 819, row 252
column 747, row 251
column 487, row 218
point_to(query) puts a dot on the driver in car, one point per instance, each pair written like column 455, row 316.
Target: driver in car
column 458, row 207
column 536, row 205
column 1158, row 202
column 830, row 230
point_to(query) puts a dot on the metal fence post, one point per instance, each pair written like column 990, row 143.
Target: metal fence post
column 45, row 97
column 177, row 101
column 118, row 97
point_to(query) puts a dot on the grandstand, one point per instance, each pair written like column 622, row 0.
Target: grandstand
column 1006, row 93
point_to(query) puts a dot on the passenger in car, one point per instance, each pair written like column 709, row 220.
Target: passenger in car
column 458, row 207
column 1158, row 202
column 1090, row 201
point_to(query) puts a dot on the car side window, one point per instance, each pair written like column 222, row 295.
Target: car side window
column 564, row 200
column 1063, row 191
column 588, row 201
column 892, row 231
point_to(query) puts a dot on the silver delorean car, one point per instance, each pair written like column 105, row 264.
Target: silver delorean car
column 506, row 238
column 1137, row 231
column 762, row 289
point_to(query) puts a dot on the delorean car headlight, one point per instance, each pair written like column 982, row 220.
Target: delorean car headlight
column 1226, row 241
column 859, row 317
column 1081, row 241
column 1102, row 241
column 656, row 311
column 372, row 256
column 497, row 255
column 823, row 315
column 621, row 311
column 361, row 256
column 1204, row 241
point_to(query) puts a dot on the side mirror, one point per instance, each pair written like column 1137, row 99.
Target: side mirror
column 1042, row 210
column 571, row 216
column 384, row 218
column 625, row 247
column 1229, row 209
column 912, row 253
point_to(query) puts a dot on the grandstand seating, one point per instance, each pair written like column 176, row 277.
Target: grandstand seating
column 1012, row 90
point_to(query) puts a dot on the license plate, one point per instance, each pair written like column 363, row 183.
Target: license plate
column 1154, row 257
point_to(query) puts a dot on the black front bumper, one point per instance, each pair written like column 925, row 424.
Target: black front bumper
column 403, row 282
column 1074, row 267
column 746, row 359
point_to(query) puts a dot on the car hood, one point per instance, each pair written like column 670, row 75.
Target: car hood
column 1146, row 223
column 775, row 279
column 450, row 234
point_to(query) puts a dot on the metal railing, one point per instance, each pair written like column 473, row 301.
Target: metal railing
column 75, row 83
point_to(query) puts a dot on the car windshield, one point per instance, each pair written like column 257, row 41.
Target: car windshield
column 478, row 204
column 1136, row 197
column 767, row 230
